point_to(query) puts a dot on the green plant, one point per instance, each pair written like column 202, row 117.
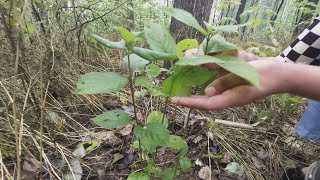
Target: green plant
column 183, row 76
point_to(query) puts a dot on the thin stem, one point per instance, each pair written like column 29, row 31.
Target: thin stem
column 207, row 43
column 132, row 96
column 131, row 86
column 164, row 110
column 186, row 122
column 14, row 109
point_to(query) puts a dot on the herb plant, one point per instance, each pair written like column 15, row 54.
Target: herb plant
column 182, row 77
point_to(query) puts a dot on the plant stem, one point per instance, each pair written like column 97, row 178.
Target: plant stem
column 132, row 96
column 131, row 86
column 164, row 110
column 186, row 122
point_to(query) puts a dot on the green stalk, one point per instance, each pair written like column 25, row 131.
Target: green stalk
column 131, row 86
column 186, row 122
column 132, row 95
column 164, row 110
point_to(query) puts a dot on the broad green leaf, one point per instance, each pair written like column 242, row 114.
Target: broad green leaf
column 151, row 167
column 178, row 143
column 156, row 116
column 184, row 45
column 217, row 43
column 138, row 37
column 152, row 135
column 135, row 61
column 99, row 82
column 185, row 164
column 159, row 38
column 112, row 119
column 153, row 70
column 126, row 35
column 227, row 28
column 153, row 55
column 239, row 68
column 197, row 60
column 186, row 18
column 168, row 174
column 110, row 44
column 185, row 78
column 143, row 82
column 138, row 176
column 146, row 83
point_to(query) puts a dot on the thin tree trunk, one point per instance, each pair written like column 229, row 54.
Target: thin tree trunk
column 240, row 10
column 200, row 9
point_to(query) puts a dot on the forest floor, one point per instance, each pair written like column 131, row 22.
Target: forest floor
column 109, row 155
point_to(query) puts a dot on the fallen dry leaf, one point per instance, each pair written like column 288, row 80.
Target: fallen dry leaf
column 31, row 165
column 226, row 158
column 126, row 130
column 106, row 136
column 197, row 139
column 205, row 173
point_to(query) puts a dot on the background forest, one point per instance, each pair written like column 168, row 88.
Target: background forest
column 46, row 131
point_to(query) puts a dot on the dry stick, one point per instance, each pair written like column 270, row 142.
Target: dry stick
column 237, row 125
column 14, row 109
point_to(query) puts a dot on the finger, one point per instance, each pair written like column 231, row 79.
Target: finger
column 237, row 96
column 211, row 66
column 196, row 102
column 224, row 83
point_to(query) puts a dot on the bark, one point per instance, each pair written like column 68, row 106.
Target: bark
column 240, row 11
column 274, row 17
column 200, row 9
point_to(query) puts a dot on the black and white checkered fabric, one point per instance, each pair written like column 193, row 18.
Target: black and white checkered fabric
column 306, row 48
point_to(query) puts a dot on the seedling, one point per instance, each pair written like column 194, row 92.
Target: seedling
column 183, row 76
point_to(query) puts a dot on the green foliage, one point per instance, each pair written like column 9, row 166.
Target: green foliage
column 185, row 45
column 178, row 143
column 156, row 116
column 99, row 82
column 227, row 28
column 184, row 79
column 153, row 70
column 198, row 60
column 112, row 119
column 159, row 38
column 110, row 44
column 217, row 43
column 153, row 55
column 136, row 61
column 185, row 164
column 152, row 135
column 186, row 18
column 127, row 36
column 168, row 174
column 138, row 176
column 146, row 83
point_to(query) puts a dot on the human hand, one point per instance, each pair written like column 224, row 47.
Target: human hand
column 231, row 90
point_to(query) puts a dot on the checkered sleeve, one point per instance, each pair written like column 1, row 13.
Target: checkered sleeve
column 306, row 48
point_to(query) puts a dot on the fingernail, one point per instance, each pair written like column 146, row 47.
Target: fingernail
column 210, row 90
column 174, row 100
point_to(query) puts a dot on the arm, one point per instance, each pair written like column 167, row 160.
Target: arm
column 275, row 77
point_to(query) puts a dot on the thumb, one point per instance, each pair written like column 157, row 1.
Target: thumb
column 224, row 83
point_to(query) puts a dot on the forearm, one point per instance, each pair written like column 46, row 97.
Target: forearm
column 302, row 80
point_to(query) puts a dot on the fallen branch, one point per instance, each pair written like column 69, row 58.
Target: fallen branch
column 236, row 124
column 240, row 125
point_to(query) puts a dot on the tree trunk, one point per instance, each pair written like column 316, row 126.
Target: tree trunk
column 240, row 10
column 302, row 23
column 274, row 17
column 200, row 9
